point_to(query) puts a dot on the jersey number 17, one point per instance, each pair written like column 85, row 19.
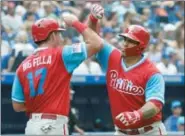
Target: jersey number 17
column 30, row 77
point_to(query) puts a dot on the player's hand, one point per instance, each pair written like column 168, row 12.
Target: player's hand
column 69, row 19
column 97, row 11
column 129, row 118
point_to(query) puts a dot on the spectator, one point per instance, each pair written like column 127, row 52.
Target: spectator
column 179, row 10
column 166, row 67
column 180, row 48
column 108, row 7
column 154, row 53
column 108, row 33
column 111, row 21
column 20, row 10
column 180, row 123
column 170, row 32
column 121, row 7
column 49, row 9
column 73, row 119
column 22, row 44
column 27, row 28
column 30, row 17
column 12, row 20
column 171, row 121
column 175, row 11
column 5, row 48
column 32, row 11
column 9, row 35
column 7, row 61
column 129, row 19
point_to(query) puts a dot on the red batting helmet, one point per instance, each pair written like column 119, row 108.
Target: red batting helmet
column 139, row 34
column 43, row 27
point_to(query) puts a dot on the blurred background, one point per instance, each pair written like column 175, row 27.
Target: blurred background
column 164, row 20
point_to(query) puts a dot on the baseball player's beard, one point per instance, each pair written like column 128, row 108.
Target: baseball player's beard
column 130, row 52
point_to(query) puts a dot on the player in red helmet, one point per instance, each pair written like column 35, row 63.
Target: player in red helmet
column 43, row 27
column 42, row 81
column 135, row 86
column 138, row 35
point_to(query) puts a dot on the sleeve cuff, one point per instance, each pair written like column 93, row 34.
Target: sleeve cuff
column 155, row 98
column 17, row 100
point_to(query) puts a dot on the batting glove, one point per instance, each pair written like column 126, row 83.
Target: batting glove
column 129, row 118
column 97, row 11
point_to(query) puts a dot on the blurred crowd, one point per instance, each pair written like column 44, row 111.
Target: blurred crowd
column 164, row 20
column 175, row 122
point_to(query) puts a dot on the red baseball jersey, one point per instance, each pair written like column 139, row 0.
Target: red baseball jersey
column 46, row 82
column 126, row 89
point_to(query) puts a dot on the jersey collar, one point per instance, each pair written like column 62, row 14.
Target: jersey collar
column 126, row 69
column 40, row 49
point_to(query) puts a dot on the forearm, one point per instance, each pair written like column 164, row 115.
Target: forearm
column 23, row 109
column 19, row 107
column 149, row 110
column 92, row 40
column 93, row 23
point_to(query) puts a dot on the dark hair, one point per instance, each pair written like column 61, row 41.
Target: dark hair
column 41, row 42
column 48, row 38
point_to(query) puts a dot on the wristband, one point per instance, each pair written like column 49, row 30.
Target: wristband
column 93, row 19
column 80, row 27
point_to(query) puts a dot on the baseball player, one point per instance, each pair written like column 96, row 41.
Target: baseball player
column 135, row 86
column 42, row 81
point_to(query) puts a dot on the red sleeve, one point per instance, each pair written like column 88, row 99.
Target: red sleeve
column 157, row 103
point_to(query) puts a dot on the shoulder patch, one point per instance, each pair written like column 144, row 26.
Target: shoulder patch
column 76, row 48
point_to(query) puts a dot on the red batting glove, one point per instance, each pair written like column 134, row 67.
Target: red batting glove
column 129, row 118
